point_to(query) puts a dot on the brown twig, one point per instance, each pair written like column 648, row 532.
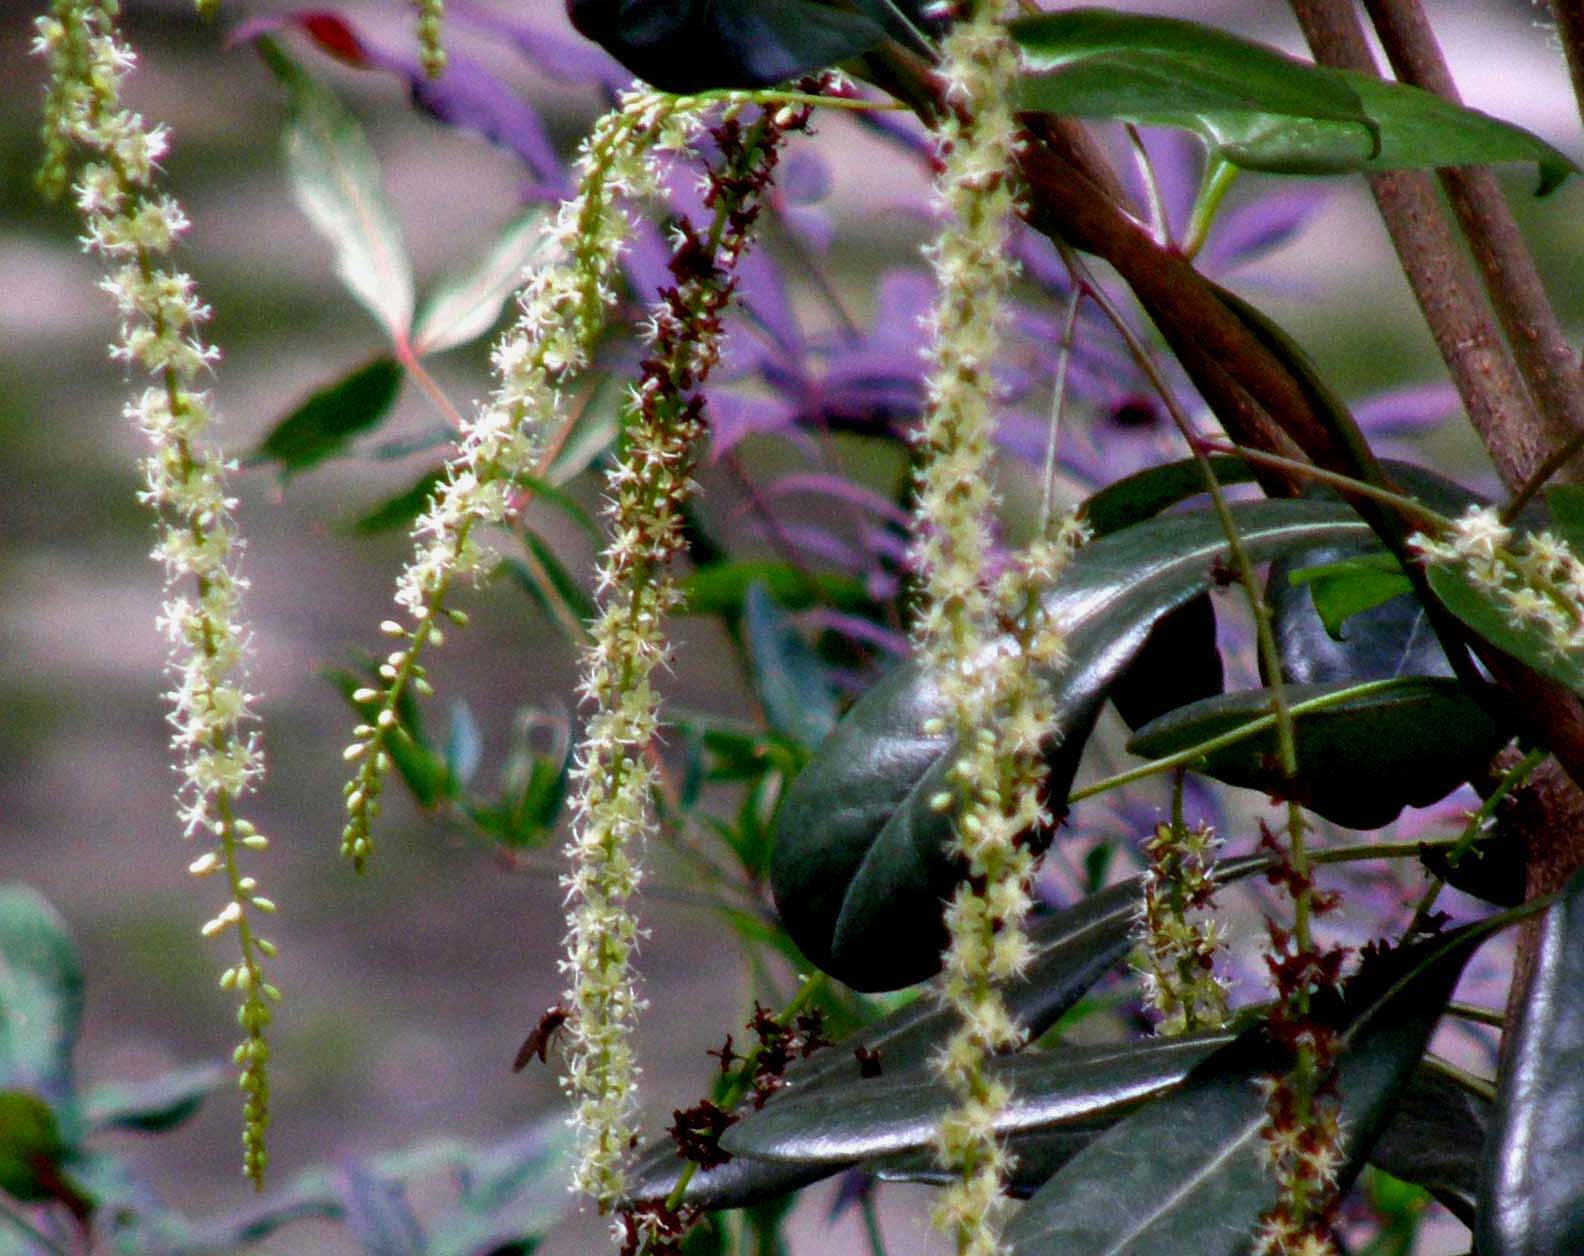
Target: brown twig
column 1487, row 380
column 1570, row 27
column 1539, row 344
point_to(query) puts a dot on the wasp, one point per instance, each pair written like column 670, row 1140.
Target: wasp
column 538, row 1042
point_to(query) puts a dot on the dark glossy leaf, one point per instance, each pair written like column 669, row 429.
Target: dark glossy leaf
column 325, row 424
column 1486, row 613
column 1178, row 663
column 1351, row 586
column 1566, row 505
column 155, row 1106
column 400, row 511
column 1073, row 949
column 1436, row 1138
column 1360, row 762
column 1420, row 129
column 692, row 45
column 41, row 1001
column 1144, row 494
column 466, row 306
column 1185, row 1173
column 1493, row 870
column 1037, row 1157
column 858, row 1119
column 860, row 853
column 1252, row 105
column 1530, row 1202
column 722, row 588
column 336, row 181
column 787, row 676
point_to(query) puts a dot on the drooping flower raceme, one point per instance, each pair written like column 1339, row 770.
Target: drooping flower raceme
column 431, row 20
column 613, row 775
column 131, row 226
column 562, row 311
column 984, row 644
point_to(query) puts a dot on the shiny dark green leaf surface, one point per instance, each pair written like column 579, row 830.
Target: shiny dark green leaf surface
column 1435, row 1139
column 1531, row 1203
column 1066, row 1085
column 1565, row 503
column 1184, row 1173
column 693, row 45
column 325, row 424
column 1359, row 762
column 1350, row 586
column 1073, row 949
column 861, row 855
column 1253, row 106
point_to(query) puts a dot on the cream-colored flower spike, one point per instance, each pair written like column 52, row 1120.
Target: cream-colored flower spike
column 132, row 226
column 985, row 644
column 431, row 20
column 561, row 313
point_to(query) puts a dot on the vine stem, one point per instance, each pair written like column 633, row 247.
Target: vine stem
column 1336, row 479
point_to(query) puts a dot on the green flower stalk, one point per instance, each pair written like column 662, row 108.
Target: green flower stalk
column 612, row 774
column 985, row 644
column 132, row 227
column 562, row 312
column 431, row 19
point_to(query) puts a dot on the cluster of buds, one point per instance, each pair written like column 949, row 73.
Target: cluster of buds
column 431, row 19
column 562, row 311
column 132, row 227
column 1177, row 943
column 1535, row 575
column 1302, row 1132
column 613, row 774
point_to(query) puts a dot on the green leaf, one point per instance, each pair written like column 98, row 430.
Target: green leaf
column 400, row 511
column 513, row 1194
column 336, row 182
column 326, row 423
column 1566, row 504
column 722, row 588
column 1420, row 129
column 1351, row 586
column 1185, row 1173
column 1530, row 1203
column 1486, row 613
column 1252, row 105
column 1073, row 949
column 899, row 1111
column 860, row 853
column 787, row 676
column 464, row 307
column 1144, row 494
column 1409, row 742
column 41, row 1000
column 548, row 582
column 155, row 1106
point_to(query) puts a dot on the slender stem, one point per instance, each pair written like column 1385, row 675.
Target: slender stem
column 1470, row 1082
column 1242, row 732
column 408, row 357
column 1354, row 853
column 1563, row 455
column 1484, row 1015
column 1336, row 479
column 1160, row 224
column 1475, row 829
column 1058, row 402
column 1218, row 181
